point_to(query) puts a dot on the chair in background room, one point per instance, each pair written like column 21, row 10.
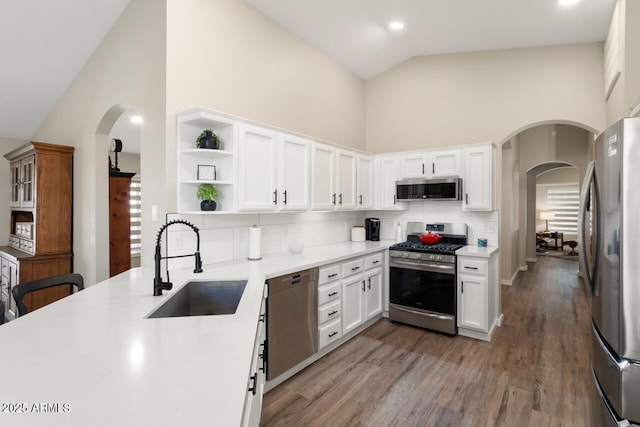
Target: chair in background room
column 23, row 289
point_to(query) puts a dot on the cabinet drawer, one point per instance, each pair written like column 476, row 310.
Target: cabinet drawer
column 329, row 312
column 329, row 274
column 473, row 266
column 372, row 261
column 329, row 333
column 352, row 267
column 329, row 293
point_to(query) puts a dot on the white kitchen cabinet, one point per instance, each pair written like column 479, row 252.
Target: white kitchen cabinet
column 257, row 157
column 353, row 313
column 387, row 173
column 432, row 164
column 362, row 290
column 274, row 170
column 472, row 304
column 345, row 179
column 257, row 374
column 191, row 160
column 373, row 293
column 329, row 305
column 477, row 179
column 323, row 170
column 364, row 186
column 294, row 169
column 445, row 163
column 478, row 292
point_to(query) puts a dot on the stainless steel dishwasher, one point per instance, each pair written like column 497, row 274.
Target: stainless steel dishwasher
column 292, row 320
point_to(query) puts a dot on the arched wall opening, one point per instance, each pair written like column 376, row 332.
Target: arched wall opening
column 103, row 136
column 543, row 145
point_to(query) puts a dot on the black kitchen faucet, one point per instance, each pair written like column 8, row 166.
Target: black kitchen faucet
column 158, row 284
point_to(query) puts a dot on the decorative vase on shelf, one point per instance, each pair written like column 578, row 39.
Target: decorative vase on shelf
column 208, row 205
column 209, row 140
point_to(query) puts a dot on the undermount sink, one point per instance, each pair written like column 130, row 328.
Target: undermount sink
column 203, row 298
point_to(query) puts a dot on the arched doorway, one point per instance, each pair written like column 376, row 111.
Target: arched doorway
column 120, row 122
column 554, row 144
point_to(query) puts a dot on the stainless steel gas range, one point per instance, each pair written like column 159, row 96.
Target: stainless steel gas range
column 422, row 278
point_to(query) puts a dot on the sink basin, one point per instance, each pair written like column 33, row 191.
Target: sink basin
column 203, row 298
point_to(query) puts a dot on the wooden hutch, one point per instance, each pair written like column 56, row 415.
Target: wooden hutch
column 40, row 233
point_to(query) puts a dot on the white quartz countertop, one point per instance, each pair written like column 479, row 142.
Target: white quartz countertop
column 95, row 359
column 477, row 251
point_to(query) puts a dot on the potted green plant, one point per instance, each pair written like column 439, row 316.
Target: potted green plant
column 208, row 139
column 208, row 194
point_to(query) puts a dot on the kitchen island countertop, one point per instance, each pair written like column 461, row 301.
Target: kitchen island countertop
column 95, row 359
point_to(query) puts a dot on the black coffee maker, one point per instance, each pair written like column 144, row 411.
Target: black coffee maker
column 372, row 228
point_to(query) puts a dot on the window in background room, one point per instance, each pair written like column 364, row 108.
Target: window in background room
column 564, row 203
column 135, row 209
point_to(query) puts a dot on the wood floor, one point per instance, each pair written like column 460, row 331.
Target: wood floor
column 535, row 372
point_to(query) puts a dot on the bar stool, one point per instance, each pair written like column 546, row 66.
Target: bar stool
column 21, row 290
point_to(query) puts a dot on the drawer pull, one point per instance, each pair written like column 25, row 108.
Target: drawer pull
column 332, row 275
column 471, row 268
column 333, row 293
column 331, row 335
column 355, row 268
column 376, row 261
column 333, row 312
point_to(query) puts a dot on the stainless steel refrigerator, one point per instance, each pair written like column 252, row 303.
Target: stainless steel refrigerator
column 609, row 241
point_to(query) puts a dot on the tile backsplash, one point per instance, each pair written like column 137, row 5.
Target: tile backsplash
column 225, row 237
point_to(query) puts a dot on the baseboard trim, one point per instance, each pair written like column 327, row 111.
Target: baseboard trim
column 509, row 282
column 532, row 259
column 523, row 268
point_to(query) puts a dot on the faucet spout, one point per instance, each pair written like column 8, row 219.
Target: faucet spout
column 158, row 284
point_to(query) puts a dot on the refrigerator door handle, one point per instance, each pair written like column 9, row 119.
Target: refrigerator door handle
column 589, row 274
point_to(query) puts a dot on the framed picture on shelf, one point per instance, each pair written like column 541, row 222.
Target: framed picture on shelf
column 206, row 173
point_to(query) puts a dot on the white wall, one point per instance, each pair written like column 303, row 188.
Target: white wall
column 479, row 97
column 127, row 70
column 227, row 56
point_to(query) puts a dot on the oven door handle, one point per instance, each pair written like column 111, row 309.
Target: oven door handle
column 422, row 313
column 435, row 268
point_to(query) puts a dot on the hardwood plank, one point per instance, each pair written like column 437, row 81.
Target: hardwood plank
column 535, row 372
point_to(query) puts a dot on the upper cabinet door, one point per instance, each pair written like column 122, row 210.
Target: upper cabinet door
column 323, row 170
column 365, row 182
column 414, row 165
column 28, row 166
column 294, row 156
column 445, row 163
column 477, row 181
column 346, row 179
column 14, row 199
column 387, row 173
column 257, row 189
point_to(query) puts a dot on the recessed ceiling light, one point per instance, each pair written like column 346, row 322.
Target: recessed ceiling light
column 567, row 2
column 136, row 120
column 396, row 25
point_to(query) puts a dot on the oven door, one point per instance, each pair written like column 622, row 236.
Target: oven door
column 423, row 294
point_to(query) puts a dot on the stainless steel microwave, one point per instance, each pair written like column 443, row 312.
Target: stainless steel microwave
column 432, row 189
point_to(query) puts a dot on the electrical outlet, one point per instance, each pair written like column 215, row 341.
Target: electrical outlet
column 179, row 242
column 489, row 228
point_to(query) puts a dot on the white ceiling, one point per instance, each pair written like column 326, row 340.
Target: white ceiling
column 43, row 46
column 44, row 43
column 356, row 32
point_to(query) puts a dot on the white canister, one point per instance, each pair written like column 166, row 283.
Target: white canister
column 358, row 234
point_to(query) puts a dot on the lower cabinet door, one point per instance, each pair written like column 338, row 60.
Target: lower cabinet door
column 352, row 303
column 472, row 302
column 373, row 293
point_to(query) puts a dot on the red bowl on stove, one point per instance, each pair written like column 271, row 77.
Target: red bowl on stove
column 429, row 238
